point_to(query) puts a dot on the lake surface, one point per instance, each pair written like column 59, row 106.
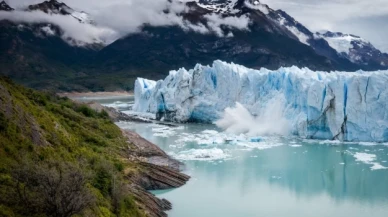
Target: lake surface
column 241, row 176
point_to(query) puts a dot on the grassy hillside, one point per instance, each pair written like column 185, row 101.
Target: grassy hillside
column 58, row 158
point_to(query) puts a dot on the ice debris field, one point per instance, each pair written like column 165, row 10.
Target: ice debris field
column 213, row 146
column 345, row 106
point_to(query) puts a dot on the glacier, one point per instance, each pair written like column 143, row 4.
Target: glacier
column 345, row 106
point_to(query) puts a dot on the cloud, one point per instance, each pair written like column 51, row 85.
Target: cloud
column 129, row 17
column 81, row 33
column 364, row 18
column 117, row 18
column 215, row 22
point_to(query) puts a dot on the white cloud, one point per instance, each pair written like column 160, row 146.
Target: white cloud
column 82, row 33
column 367, row 18
column 129, row 17
column 116, row 18
column 215, row 22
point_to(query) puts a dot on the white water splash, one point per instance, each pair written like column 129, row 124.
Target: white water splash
column 270, row 121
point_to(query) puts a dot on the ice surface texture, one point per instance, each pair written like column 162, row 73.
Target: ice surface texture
column 348, row 106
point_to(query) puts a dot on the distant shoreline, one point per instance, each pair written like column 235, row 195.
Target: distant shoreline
column 96, row 94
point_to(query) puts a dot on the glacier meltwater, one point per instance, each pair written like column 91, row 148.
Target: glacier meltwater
column 347, row 106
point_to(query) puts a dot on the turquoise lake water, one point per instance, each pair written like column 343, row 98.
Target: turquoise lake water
column 241, row 176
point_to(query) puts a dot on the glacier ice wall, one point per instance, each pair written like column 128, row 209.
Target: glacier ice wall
column 348, row 106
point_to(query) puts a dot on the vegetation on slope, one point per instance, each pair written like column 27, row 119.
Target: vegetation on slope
column 59, row 158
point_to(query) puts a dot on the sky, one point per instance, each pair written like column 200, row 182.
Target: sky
column 366, row 18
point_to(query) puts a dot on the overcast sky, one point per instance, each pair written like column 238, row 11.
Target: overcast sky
column 366, row 18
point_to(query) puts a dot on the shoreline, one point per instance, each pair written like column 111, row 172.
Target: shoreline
column 96, row 94
column 159, row 170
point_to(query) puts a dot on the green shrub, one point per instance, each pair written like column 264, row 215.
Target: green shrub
column 103, row 181
column 104, row 114
column 3, row 122
column 85, row 110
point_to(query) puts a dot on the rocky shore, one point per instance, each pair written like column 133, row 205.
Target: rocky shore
column 158, row 170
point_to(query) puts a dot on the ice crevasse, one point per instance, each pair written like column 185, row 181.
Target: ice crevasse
column 348, row 106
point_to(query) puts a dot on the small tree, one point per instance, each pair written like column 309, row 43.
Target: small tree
column 58, row 191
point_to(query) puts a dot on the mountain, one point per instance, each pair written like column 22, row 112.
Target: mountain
column 266, row 43
column 71, row 160
column 55, row 7
column 33, row 55
column 271, row 42
column 246, row 32
column 5, row 7
column 355, row 48
column 37, row 54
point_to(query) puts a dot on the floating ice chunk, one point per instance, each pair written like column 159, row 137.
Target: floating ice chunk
column 118, row 105
column 164, row 131
column 257, row 139
column 267, row 143
column 201, row 155
column 143, row 115
column 368, row 159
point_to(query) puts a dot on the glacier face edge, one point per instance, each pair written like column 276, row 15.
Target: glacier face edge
column 347, row 106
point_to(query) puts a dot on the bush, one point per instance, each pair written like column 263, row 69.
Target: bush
column 104, row 114
column 103, row 181
column 85, row 110
column 3, row 122
column 59, row 190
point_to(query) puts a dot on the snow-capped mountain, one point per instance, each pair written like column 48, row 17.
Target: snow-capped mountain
column 334, row 46
column 245, row 32
column 231, row 6
column 56, row 7
column 40, row 54
column 52, row 26
column 354, row 48
column 267, row 40
column 5, row 7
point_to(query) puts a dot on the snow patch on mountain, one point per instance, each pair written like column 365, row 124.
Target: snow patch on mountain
column 354, row 48
column 218, row 6
column 342, row 43
column 82, row 16
column 347, row 106
column 292, row 25
column 256, row 5
column 300, row 35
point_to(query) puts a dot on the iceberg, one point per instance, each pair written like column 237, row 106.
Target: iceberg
column 345, row 106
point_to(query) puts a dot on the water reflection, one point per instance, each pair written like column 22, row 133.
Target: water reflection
column 306, row 171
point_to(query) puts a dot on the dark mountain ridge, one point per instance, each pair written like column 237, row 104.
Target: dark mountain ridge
column 37, row 55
